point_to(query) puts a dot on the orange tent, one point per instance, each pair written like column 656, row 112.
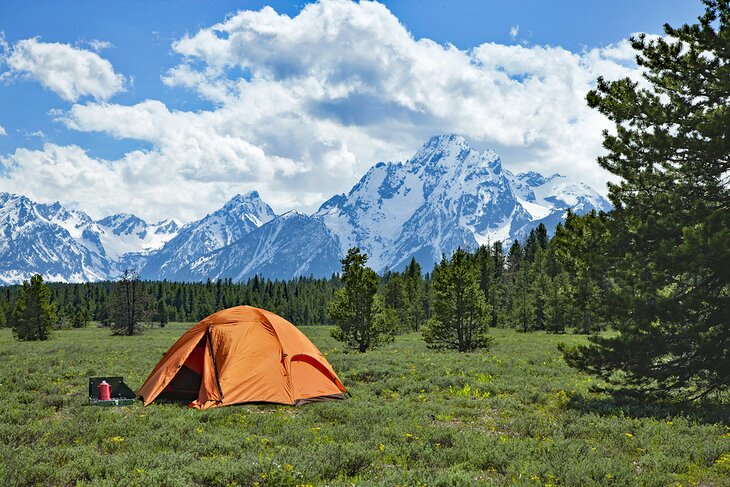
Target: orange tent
column 242, row 354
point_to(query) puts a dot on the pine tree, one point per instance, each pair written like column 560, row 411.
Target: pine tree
column 34, row 314
column 522, row 312
column 460, row 314
column 579, row 244
column 670, row 230
column 497, row 292
column 80, row 317
column 363, row 322
column 128, row 305
column 531, row 246
column 542, row 236
column 161, row 313
column 413, row 287
column 557, row 303
column 540, row 286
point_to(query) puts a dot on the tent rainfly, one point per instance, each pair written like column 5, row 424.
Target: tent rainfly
column 242, row 354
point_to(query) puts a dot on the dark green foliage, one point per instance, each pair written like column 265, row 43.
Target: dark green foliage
column 522, row 305
column 580, row 246
column 81, row 317
column 414, row 291
column 363, row 322
column 537, row 240
column 557, row 302
column 302, row 301
column 128, row 303
column 460, row 313
column 34, row 314
column 670, row 230
column 406, row 294
column 496, row 296
column 540, row 287
column 161, row 313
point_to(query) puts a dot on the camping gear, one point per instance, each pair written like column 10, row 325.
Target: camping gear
column 119, row 393
column 242, row 354
column 105, row 391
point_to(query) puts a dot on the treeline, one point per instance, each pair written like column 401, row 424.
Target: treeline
column 544, row 284
column 549, row 284
column 302, row 301
column 541, row 284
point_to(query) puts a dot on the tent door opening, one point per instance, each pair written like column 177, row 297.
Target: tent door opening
column 185, row 386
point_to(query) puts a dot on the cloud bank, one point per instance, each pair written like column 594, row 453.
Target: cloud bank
column 303, row 105
column 67, row 71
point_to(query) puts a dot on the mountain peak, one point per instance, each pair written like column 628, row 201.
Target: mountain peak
column 453, row 150
column 122, row 222
column 445, row 143
column 249, row 204
column 169, row 225
column 239, row 199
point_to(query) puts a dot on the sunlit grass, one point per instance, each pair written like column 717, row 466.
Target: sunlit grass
column 516, row 414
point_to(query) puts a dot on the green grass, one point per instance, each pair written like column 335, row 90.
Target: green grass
column 514, row 415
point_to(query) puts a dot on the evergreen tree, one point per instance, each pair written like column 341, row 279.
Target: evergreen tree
column 515, row 256
column 522, row 312
column 161, row 313
column 362, row 321
column 393, row 295
column 542, row 236
column 81, row 317
column 128, row 305
column 460, row 314
column 531, row 246
column 413, row 287
column 497, row 292
column 580, row 245
column 34, row 314
column 670, row 229
column 540, row 286
column 557, row 303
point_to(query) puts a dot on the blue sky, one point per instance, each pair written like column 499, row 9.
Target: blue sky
column 302, row 123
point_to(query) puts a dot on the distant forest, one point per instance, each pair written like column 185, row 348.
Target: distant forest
column 530, row 286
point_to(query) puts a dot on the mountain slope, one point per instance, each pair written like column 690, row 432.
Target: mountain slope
column 48, row 239
column 289, row 246
column 241, row 215
column 124, row 233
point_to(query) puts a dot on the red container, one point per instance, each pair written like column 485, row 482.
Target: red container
column 105, row 391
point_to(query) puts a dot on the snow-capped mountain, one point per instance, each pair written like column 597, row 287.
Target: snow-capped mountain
column 447, row 195
column 289, row 246
column 124, row 233
column 68, row 245
column 62, row 245
column 241, row 215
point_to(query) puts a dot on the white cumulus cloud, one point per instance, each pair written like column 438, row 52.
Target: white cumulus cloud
column 3, row 131
column 303, row 105
column 68, row 71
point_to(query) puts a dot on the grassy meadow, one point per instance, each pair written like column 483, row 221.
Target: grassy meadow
column 514, row 415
